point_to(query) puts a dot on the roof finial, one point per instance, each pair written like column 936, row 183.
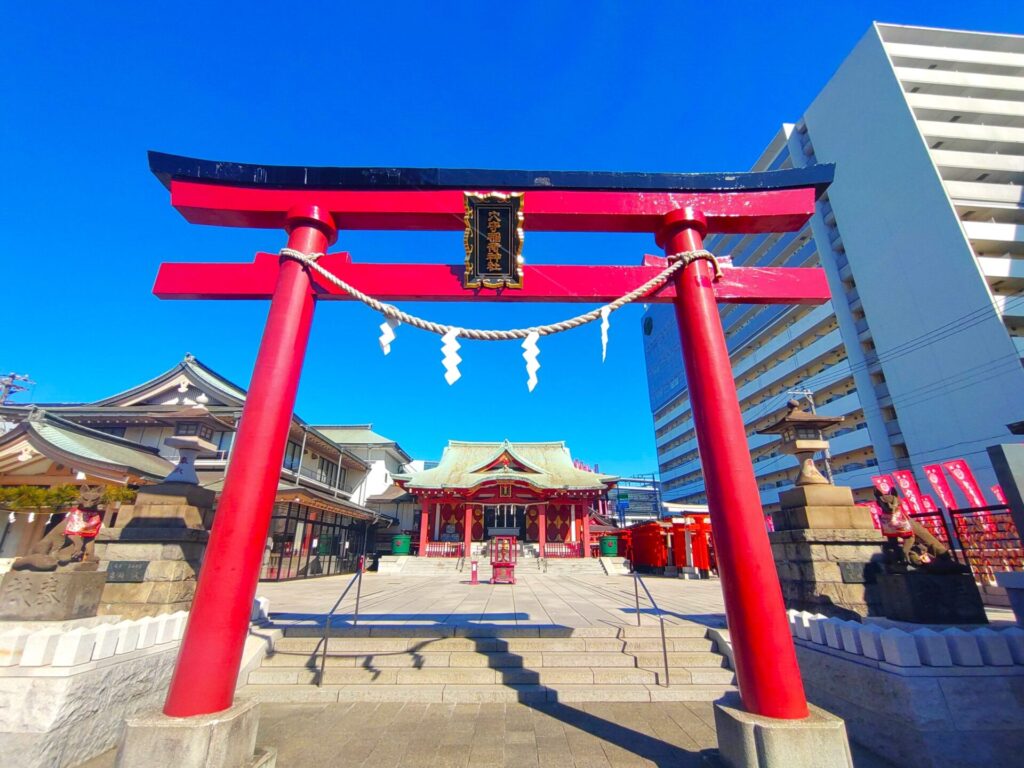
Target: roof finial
column 189, row 357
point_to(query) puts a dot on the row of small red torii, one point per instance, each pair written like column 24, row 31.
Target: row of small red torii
column 313, row 204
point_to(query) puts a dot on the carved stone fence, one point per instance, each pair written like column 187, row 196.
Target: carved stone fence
column 68, row 648
column 64, row 694
column 982, row 647
column 937, row 699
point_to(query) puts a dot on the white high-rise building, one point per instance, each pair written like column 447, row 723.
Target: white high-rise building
column 922, row 238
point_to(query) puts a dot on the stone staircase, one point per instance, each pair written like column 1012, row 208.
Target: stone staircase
column 492, row 664
column 556, row 567
column 428, row 566
column 615, row 566
column 573, row 566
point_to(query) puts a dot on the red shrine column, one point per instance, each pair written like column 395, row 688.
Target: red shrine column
column 584, row 510
column 542, row 528
column 211, row 650
column 467, row 531
column 424, row 528
column 766, row 666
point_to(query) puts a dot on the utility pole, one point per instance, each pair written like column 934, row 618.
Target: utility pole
column 808, row 395
column 12, row 383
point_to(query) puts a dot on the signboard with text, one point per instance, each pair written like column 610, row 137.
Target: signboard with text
column 494, row 241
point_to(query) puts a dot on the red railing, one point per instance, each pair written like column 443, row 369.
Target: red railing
column 444, row 549
column 562, row 549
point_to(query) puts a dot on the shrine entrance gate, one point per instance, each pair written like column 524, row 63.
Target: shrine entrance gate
column 312, row 204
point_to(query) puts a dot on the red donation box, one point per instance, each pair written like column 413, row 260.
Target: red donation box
column 503, row 559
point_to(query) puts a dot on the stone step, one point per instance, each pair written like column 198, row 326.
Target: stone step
column 519, row 630
column 485, row 676
column 497, row 659
column 486, row 693
column 491, row 644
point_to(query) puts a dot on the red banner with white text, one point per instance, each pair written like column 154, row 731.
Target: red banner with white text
column 938, row 480
column 964, row 478
column 908, row 487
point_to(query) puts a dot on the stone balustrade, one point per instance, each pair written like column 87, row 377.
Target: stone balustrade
column 921, row 697
column 22, row 649
column 898, row 649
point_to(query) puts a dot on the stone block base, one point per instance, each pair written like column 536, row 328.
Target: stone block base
column 173, row 557
column 752, row 741
column 823, row 517
column 829, row 571
column 931, row 598
column 222, row 740
column 1012, row 582
column 50, row 596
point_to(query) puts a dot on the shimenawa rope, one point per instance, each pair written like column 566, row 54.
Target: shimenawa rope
column 677, row 261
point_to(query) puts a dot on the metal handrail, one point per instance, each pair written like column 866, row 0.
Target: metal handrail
column 637, row 583
column 357, row 578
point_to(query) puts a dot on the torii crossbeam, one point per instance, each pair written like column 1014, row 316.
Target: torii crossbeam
column 312, row 204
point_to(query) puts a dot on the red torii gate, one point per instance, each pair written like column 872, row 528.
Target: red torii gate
column 311, row 204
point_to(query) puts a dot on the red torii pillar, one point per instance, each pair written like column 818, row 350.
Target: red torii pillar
column 208, row 663
column 211, row 650
column 750, row 584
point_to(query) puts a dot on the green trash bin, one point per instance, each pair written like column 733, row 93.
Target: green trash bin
column 609, row 546
column 401, row 544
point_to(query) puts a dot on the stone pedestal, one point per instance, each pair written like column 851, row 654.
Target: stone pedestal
column 827, row 552
column 1013, row 583
column 931, row 598
column 50, row 595
column 752, row 741
column 152, row 557
column 222, row 740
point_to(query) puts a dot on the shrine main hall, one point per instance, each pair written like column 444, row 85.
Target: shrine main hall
column 533, row 491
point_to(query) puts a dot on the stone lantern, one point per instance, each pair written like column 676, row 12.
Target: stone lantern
column 801, row 434
column 823, row 543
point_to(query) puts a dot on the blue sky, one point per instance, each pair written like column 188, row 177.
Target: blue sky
column 88, row 88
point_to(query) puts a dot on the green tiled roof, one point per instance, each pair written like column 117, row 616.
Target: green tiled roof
column 91, row 445
column 352, row 434
column 546, row 465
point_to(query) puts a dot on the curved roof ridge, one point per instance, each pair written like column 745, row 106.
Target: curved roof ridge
column 560, row 443
column 189, row 364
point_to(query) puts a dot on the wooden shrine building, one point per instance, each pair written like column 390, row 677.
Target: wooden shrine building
column 529, row 490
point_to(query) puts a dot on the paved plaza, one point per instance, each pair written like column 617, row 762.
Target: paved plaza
column 388, row 735
column 534, row 601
